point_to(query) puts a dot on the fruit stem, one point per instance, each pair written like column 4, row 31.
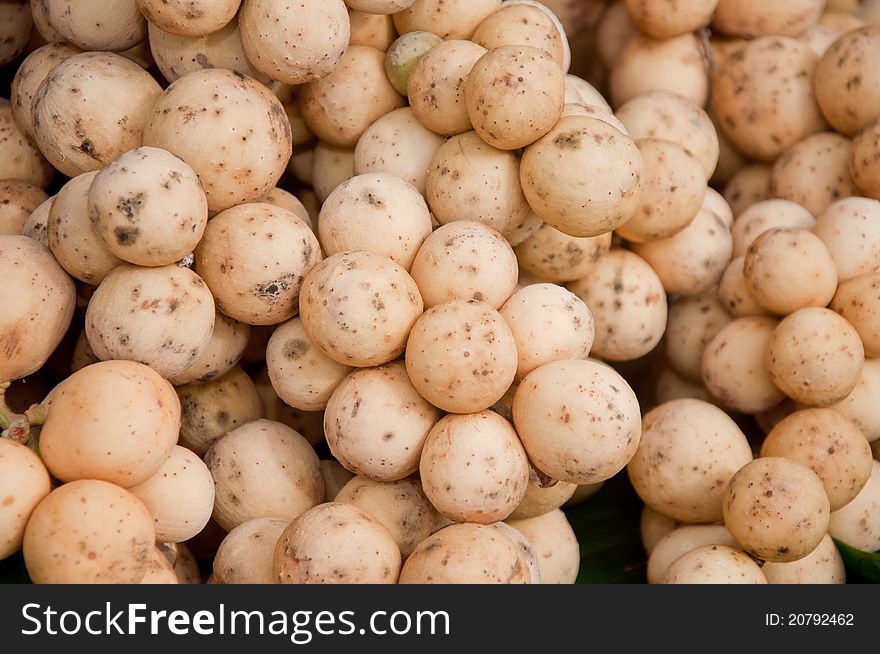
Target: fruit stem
column 6, row 415
column 15, row 426
column 36, row 415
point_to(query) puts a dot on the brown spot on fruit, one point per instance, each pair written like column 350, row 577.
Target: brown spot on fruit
column 10, row 342
column 130, row 205
column 89, row 148
column 295, row 348
column 568, row 140
column 126, row 235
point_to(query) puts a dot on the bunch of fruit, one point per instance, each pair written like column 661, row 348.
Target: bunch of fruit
column 360, row 292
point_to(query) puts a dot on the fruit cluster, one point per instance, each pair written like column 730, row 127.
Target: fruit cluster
column 367, row 291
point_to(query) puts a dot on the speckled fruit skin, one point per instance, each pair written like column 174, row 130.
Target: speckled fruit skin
column 688, row 452
column 714, row 564
column 18, row 199
column 751, row 18
column 549, row 323
column 189, row 17
column 681, row 539
column 856, row 524
column 71, row 236
column 748, row 184
column 474, row 554
column 91, row 108
column 465, row 260
column 514, row 95
column 33, row 70
column 301, row 375
column 245, row 555
column 857, row 300
column 397, row 143
column 209, row 106
column 21, row 158
column 461, row 356
column 824, row 565
column 815, row 357
column 24, row 482
column 448, row 19
column 763, row 96
column 376, row 423
column 525, row 23
column 555, row 543
column 578, row 420
column 766, row 215
column 374, row 30
column 693, row 322
column 116, row 25
column 436, row 86
column 254, row 258
column 733, row 369
column 161, row 316
column 176, row 55
column 829, row 444
column 665, row 21
column 673, row 189
column 375, row 212
column 863, row 167
column 402, row 55
column 578, row 204
column 692, row 260
column 860, row 407
column 89, row 531
column 850, row 229
column 788, row 268
column 211, row 409
column 15, row 30
column 628, row 303
column 380, row 7
column 815, row 172
column 470, row 180
column 148, row 207
column 678, row 65
column 776, row 509
column 401, row 507
column 341, row 106
column 847, row 87
column 542, row 496
column 558, row 257
column 734, row 294
column 474, row 468
column 336, row 543
column 366, row 316
column 225, row 349
column 40, row 298
column 281, row 40
column 263, row 469
column 105, row 396
column 180, row 496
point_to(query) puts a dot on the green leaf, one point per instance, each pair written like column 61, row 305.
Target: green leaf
column 866, row 564
column 607, row 528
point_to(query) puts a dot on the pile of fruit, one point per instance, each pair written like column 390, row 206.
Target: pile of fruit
column 368, row 291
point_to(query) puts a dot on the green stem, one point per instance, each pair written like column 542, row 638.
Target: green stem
column 6, row 414
column 36, row 415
